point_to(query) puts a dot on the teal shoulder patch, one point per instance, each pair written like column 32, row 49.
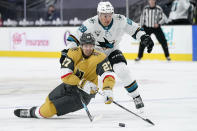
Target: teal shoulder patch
column 82, row 28
column 129, row 21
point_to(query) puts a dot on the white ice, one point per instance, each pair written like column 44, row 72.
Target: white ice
column 169, row 91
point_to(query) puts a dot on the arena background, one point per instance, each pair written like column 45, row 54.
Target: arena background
column 70, row 9
column 26, row 33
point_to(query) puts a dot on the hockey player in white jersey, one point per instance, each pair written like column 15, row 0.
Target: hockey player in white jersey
column 179, row 12
column 108, row 28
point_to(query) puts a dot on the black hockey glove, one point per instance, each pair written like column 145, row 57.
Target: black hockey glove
column 147, row 42
column 63, row 55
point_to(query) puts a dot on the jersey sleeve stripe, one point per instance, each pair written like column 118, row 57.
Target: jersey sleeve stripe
column 65, row 71
column 38, row 114
column 65, row 75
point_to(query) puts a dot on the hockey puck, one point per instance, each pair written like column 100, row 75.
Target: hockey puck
column 121, row 124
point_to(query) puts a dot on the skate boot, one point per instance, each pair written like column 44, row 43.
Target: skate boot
column 137, row 59
column 168, row 58
column 25, row 113
column 138, row 102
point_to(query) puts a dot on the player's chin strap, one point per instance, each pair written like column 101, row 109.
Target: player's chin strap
column 145, row 119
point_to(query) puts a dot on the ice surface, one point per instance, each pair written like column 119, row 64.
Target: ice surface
column 169, row 91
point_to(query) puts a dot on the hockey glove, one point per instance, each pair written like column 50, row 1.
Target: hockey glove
column 63, row 55
column 88, row 87
column 108, row 96
column 147, row 42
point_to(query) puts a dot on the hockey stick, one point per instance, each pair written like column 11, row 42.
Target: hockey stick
column 147, row 120
column 85, row 106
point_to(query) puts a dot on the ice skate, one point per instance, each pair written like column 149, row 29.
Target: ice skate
column 23, row 113
column 138, row 102
column 168, row 58
column 137, row 59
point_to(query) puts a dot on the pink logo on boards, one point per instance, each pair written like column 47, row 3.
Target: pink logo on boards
column 66, row 35
column 29, row 41
column 17, row 38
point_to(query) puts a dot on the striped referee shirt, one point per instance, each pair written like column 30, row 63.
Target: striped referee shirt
column 152, row 15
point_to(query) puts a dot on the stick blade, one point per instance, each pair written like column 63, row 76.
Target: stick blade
column 149, row 121
column 97, row 117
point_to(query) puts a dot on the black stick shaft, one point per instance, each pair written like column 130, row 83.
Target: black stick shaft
column 126, row 109
column 147, row 120
column 85, row 106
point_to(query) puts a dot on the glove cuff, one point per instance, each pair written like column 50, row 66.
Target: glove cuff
column 108, row 96
column 108, row 93
column 88, row 86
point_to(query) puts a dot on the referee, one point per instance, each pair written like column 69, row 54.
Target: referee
column 151, row 19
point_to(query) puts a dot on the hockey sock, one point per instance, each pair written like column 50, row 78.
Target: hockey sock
column 37, row 113
column 132, row 87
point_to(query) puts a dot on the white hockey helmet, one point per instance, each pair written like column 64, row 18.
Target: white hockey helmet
column 105, row 7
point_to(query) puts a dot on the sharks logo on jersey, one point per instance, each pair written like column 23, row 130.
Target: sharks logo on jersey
column 106, row 44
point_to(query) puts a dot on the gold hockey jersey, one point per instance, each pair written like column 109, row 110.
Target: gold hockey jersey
column 75, row 68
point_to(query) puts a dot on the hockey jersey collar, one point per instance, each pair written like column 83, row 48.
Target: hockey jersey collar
column 152, row 7
column 106, row 27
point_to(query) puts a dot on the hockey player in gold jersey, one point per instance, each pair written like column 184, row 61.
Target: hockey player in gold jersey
column 80, row 69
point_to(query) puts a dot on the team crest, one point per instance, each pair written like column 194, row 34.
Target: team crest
column 106, row 44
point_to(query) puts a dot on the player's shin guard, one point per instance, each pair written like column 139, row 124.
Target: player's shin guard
column 132, row 91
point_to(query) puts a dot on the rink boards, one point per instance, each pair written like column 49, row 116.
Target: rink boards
column 49, row 41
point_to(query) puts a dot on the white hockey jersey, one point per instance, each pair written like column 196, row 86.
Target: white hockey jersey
column 108, row 38
column 179, row 9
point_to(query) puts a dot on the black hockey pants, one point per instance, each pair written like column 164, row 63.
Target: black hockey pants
column 66, row 99
column 160, row 37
